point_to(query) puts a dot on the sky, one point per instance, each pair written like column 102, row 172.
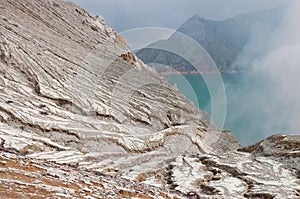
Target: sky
column 124, row 15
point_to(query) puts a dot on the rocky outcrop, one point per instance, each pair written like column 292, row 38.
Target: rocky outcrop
column 232, row 175
column 74, row 100
column 283, row 148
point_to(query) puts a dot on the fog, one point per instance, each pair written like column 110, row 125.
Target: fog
column 282, row 66
column 270, row 92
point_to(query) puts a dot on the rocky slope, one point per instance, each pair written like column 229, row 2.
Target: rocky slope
column 81, row 116
column 28, row 178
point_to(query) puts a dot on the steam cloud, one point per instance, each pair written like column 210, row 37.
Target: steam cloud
column 272, row 90
column 282, row 65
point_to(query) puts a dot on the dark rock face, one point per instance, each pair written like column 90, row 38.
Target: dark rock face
column 75, row 105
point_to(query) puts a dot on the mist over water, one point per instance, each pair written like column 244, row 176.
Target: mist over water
column 264, row 100
column 270, row 92
column 246, row 113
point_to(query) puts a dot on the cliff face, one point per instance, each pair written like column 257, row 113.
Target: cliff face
column 74, row 101
column 64, row 72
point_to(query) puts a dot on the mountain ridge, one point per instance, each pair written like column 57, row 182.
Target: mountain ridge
column 223, row 40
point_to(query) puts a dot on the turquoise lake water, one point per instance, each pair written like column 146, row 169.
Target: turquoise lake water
column 248, row 103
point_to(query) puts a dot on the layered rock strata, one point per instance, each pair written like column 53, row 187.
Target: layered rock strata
column 81, row 116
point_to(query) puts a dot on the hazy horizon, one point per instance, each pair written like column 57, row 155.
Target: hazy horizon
column 126, row 15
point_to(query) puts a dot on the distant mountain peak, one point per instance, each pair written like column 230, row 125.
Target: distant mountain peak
column 195, row 17
column 223, row 40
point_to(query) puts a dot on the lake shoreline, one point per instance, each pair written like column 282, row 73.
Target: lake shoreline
column 241, row 118
column 198, row 73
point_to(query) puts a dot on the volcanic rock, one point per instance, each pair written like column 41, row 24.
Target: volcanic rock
column 82, row 116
